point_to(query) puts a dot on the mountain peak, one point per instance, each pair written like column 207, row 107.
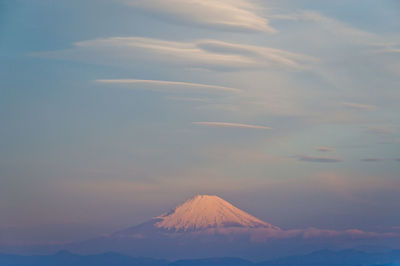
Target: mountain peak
column 207, row 211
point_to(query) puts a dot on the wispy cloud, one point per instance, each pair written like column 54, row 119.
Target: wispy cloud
column 226, row 124
column 261, row 55
column 168, row 85
column 223, row 14
column 317, row 159
column 332, row 25
column 324, row 149
column 206, row 54
column 359, row 106
column 188, row 99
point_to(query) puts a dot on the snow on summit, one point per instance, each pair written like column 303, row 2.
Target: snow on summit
column 207, row 211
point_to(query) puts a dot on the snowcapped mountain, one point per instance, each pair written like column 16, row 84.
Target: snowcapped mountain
column 208, row 226
column 205, row 211
column 200, row 214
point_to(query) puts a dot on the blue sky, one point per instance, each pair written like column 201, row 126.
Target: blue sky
column 113, row 111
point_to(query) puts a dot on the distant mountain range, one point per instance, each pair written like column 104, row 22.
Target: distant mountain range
column 208, row 226
column 318, row 258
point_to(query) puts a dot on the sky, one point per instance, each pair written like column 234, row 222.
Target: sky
column 114, row 111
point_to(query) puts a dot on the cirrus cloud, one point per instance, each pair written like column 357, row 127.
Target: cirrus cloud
column 359, row 106
column 232, row 125
column 221, row 14
column 206, row 54
column 170, row 86
column 317, row 159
